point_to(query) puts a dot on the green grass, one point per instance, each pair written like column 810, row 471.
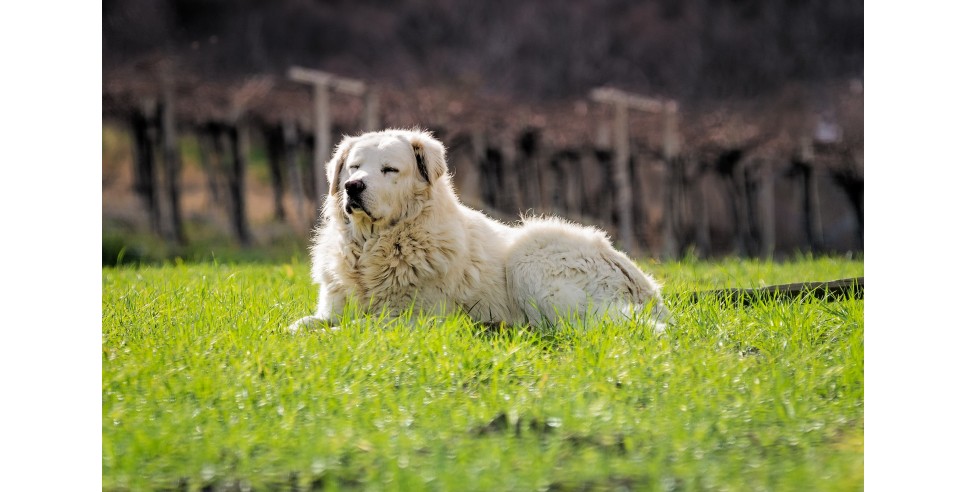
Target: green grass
column 201, row 387
column 121, row 245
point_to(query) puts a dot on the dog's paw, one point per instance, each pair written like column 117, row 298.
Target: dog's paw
column 661, row 317
column 308, row 323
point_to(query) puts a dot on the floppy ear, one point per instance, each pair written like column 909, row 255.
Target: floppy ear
column 334, row 166
column 430, row 155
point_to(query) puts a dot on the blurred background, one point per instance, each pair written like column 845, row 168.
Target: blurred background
column 682, row 127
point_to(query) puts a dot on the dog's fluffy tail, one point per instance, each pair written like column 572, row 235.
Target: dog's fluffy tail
column 645, row 291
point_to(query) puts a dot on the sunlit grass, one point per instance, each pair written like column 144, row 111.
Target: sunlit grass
column 201, row 386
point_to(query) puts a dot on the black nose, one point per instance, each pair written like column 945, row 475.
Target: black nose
column 355, row 187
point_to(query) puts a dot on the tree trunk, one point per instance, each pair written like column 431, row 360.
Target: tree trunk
column 290, row 137
column 211, row 164
column 172, row 165
column 853, row 185
column 145, row 177
column 236, row 184
column 573, row 194
column 276, row 149
column 492, row 170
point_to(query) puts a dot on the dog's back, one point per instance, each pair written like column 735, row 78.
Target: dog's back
column 559, row 269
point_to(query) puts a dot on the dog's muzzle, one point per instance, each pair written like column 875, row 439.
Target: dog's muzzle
column 353, row 192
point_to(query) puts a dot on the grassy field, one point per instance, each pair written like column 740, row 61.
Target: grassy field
column 203, row 389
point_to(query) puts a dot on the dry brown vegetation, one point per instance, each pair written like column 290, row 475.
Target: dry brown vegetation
column 767, row 91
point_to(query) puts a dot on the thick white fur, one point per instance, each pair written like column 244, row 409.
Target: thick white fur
column 413, row 244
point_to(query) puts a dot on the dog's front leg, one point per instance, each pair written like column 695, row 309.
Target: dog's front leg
column 329, row 310
column 310, row 323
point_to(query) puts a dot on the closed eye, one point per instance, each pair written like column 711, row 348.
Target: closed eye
column 353, row 167
column 387, row 169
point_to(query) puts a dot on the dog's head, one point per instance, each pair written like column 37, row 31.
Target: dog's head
column 384, row 177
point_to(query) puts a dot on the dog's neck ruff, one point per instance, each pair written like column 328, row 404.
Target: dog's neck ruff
column 363, row 228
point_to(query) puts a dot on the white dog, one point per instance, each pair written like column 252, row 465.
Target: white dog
column 394, row 236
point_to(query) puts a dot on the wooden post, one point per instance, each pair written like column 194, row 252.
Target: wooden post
column 739, row 192
column 813, row 215
column 371, row 116
column 622, row 179
column 668, row 185
column 323, row 83
column 172, row 158
column 323, row 138
column 766, row 210
column 672, row 135
column 674, row 182
column 622, row 101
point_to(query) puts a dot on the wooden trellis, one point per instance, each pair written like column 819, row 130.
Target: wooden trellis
column 705, row 198
column 622, row 102
column 323, row 83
